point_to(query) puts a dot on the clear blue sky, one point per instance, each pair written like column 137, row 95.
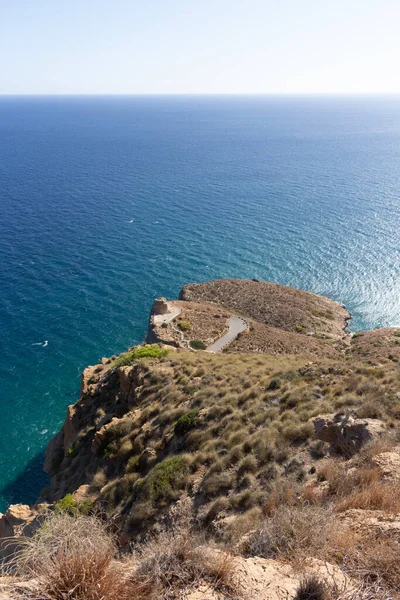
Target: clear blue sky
column 199, row 46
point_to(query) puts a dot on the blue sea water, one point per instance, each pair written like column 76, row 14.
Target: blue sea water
column 108, row 202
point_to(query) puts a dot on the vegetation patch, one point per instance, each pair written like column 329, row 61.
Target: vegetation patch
column 164, row 482
column 185, row 423
column 301, row 329
column 148, row 351
column 71, row 507
column 197, row 345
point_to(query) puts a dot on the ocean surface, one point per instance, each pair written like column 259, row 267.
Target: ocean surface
column 109, row 202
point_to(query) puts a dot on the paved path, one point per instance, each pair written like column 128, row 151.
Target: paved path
column 173, row 312
column 236, row 326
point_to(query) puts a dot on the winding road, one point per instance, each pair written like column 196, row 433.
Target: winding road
column 236, row 326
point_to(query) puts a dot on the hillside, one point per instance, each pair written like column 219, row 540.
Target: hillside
column 274, row 457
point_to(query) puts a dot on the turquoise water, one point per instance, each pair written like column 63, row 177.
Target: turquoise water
column 109, row 202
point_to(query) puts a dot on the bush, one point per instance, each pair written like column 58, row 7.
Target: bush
column 73, row 558
column 72, row 451
column 66, row 505
column 300, row 329
column 184, row 325
column 274, row 384
column 197, row 345
column 148, row 351
column 291, row 532
column 185, row 423
column 179, row 558
column 311, row 588
column 165, row 480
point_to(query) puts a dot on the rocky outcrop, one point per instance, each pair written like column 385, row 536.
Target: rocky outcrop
column 268, row 579
column 20, row 520
column 388, row 464
column 345, row 434
column 375, row 522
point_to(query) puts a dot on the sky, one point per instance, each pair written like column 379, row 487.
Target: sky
column 199, row 46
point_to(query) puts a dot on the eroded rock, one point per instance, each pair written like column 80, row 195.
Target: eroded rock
column 345, row 434
column 389, row 465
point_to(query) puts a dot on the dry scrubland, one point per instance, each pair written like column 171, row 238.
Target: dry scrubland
column 191, row 475
column 230, row 438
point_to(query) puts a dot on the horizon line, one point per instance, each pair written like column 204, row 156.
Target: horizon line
column 192, row 94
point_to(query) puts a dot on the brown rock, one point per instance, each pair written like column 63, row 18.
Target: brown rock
column 17, row 514
column 81, row 493
column 88, row 375
column 99, row 436
column 267, row 579
column 70, row 432
column 372, row 521
column 389, row 465
column 345, row 433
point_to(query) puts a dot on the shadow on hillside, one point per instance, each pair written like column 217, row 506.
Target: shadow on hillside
column 26, row 487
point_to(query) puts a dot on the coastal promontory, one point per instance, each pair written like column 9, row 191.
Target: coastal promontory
column 251, row 433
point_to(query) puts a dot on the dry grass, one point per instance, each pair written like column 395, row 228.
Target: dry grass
column 251, row 429
column 376, row 560
column 293, row 533
column 179, row 559
column 376, row 495
column 73, row 558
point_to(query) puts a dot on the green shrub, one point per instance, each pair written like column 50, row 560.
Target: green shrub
column 72, row 451
column 185, row 423
column 301, row 329
column 133, row 464
column 274, row 384
column 197, row 345
column 184, row 325
column 148, row 351
column 66, row 504
column 86, row 506
column 73, row 508
column 164, row 481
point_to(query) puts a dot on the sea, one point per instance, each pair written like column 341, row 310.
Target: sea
column 109, row 202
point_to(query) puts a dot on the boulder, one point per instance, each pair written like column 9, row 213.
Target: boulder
column 88, row 375
column 345, row 434
column 82, row 493
column 70, row 431
column 17, row 514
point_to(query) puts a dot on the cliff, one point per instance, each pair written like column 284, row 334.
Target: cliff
column 269, row 447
